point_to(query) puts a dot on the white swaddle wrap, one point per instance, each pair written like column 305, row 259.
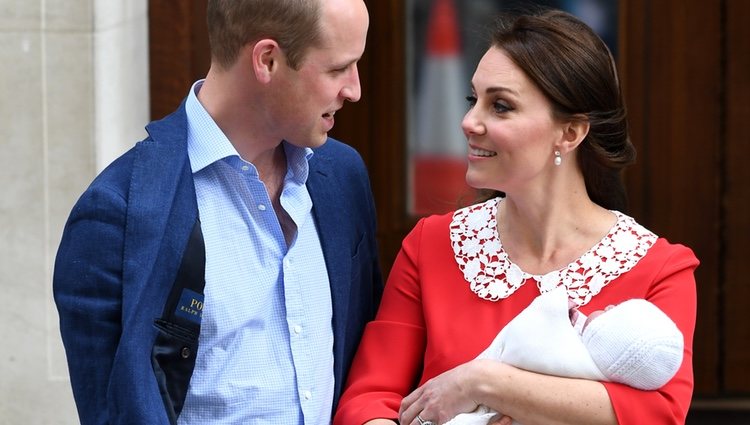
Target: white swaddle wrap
column 633, row 343
column 541, row 339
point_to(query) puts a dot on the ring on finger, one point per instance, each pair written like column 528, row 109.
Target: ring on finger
column 424, row 422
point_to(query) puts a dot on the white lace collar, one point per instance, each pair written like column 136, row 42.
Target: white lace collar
column 492, row 276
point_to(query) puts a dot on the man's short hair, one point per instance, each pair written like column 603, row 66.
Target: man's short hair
column 294, row 24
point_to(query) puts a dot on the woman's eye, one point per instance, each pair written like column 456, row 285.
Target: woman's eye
column 500, row 107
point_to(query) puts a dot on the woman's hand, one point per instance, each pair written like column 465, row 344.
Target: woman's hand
column 442, row 397
column 380, row 421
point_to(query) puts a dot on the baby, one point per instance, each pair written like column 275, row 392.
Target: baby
column 632, row 343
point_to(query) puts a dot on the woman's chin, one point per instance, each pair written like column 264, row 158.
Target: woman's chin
column 474, row 182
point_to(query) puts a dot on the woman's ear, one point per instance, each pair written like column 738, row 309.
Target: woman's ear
column 265, row 56
column 574, row 132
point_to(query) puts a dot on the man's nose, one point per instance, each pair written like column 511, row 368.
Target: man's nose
column 352, row 90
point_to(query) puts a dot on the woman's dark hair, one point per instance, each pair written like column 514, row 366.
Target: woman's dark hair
column 576, row 72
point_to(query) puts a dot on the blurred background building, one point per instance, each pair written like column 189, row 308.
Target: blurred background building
column 75, row 94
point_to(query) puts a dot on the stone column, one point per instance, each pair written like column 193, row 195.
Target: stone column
column 74, row 88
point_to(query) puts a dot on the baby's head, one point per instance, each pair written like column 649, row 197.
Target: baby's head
column 635, row 343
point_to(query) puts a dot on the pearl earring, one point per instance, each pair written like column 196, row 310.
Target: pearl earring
column 558, row 158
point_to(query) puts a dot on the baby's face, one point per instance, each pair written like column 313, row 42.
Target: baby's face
column 572, row 311
column 575, row 315
column 594, row 314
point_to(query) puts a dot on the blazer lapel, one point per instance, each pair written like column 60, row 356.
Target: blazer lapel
column 334, row 240
column 162, row 204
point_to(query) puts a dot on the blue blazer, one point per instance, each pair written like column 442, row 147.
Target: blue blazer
column 122, row 246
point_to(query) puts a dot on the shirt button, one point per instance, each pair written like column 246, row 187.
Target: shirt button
column 245, row 168
column 297, row 329
column 307, row 395
column 261, row 207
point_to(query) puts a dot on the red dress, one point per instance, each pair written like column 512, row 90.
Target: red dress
column 430, row 321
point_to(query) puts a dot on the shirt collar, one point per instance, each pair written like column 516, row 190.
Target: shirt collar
column 206, row 142
column 297, row 160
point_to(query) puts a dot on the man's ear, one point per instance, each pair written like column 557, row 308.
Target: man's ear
column 265, row 58
column 574, row 132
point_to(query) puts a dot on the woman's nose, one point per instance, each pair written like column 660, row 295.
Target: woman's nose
column 471, row 124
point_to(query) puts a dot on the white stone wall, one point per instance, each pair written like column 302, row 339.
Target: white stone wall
column 74, row 95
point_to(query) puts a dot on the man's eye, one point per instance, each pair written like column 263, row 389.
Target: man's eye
column 341, row 70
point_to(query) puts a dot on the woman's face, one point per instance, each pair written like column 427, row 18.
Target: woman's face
column 509, row 127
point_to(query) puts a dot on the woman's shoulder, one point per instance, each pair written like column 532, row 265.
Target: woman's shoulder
column 662, row 248
column 676, row 254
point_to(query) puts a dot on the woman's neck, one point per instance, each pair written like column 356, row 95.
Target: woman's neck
column 543, row 235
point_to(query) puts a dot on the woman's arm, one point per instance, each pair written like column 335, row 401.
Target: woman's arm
column 671, row 287
column 529, row 398
column 533, row 398
column 390, row 354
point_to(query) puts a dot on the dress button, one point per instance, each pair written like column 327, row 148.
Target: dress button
column 307, row 395
column 297, row 329
column 185, row 352
column 261, row 207
column 245, row 168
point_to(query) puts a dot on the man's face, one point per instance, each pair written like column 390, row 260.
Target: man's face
column 309, row 97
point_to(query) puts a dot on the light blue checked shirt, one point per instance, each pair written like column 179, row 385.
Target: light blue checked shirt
column 266, row 342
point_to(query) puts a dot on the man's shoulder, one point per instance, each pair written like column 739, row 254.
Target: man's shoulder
column 146, row 162
column 116, row 175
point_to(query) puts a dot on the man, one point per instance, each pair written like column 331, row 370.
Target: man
column 228, row 188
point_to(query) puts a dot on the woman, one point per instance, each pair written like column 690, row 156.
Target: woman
column 547, row 131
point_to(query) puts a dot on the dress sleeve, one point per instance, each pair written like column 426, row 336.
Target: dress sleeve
column 672, row 289
column 390, row 355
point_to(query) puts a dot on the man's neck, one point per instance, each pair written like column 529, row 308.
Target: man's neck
column 228, row 98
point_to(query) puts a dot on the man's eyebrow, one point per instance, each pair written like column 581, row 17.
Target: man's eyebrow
column 346, row 64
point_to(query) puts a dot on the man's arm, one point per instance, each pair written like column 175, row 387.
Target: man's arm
column 87, row 286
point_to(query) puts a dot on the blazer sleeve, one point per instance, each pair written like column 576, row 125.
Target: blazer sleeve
column 87, row 290
column 672, row 290
column 387, row 364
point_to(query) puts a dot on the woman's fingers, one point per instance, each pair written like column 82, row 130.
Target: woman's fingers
column 409, row 410
column 500, row 419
